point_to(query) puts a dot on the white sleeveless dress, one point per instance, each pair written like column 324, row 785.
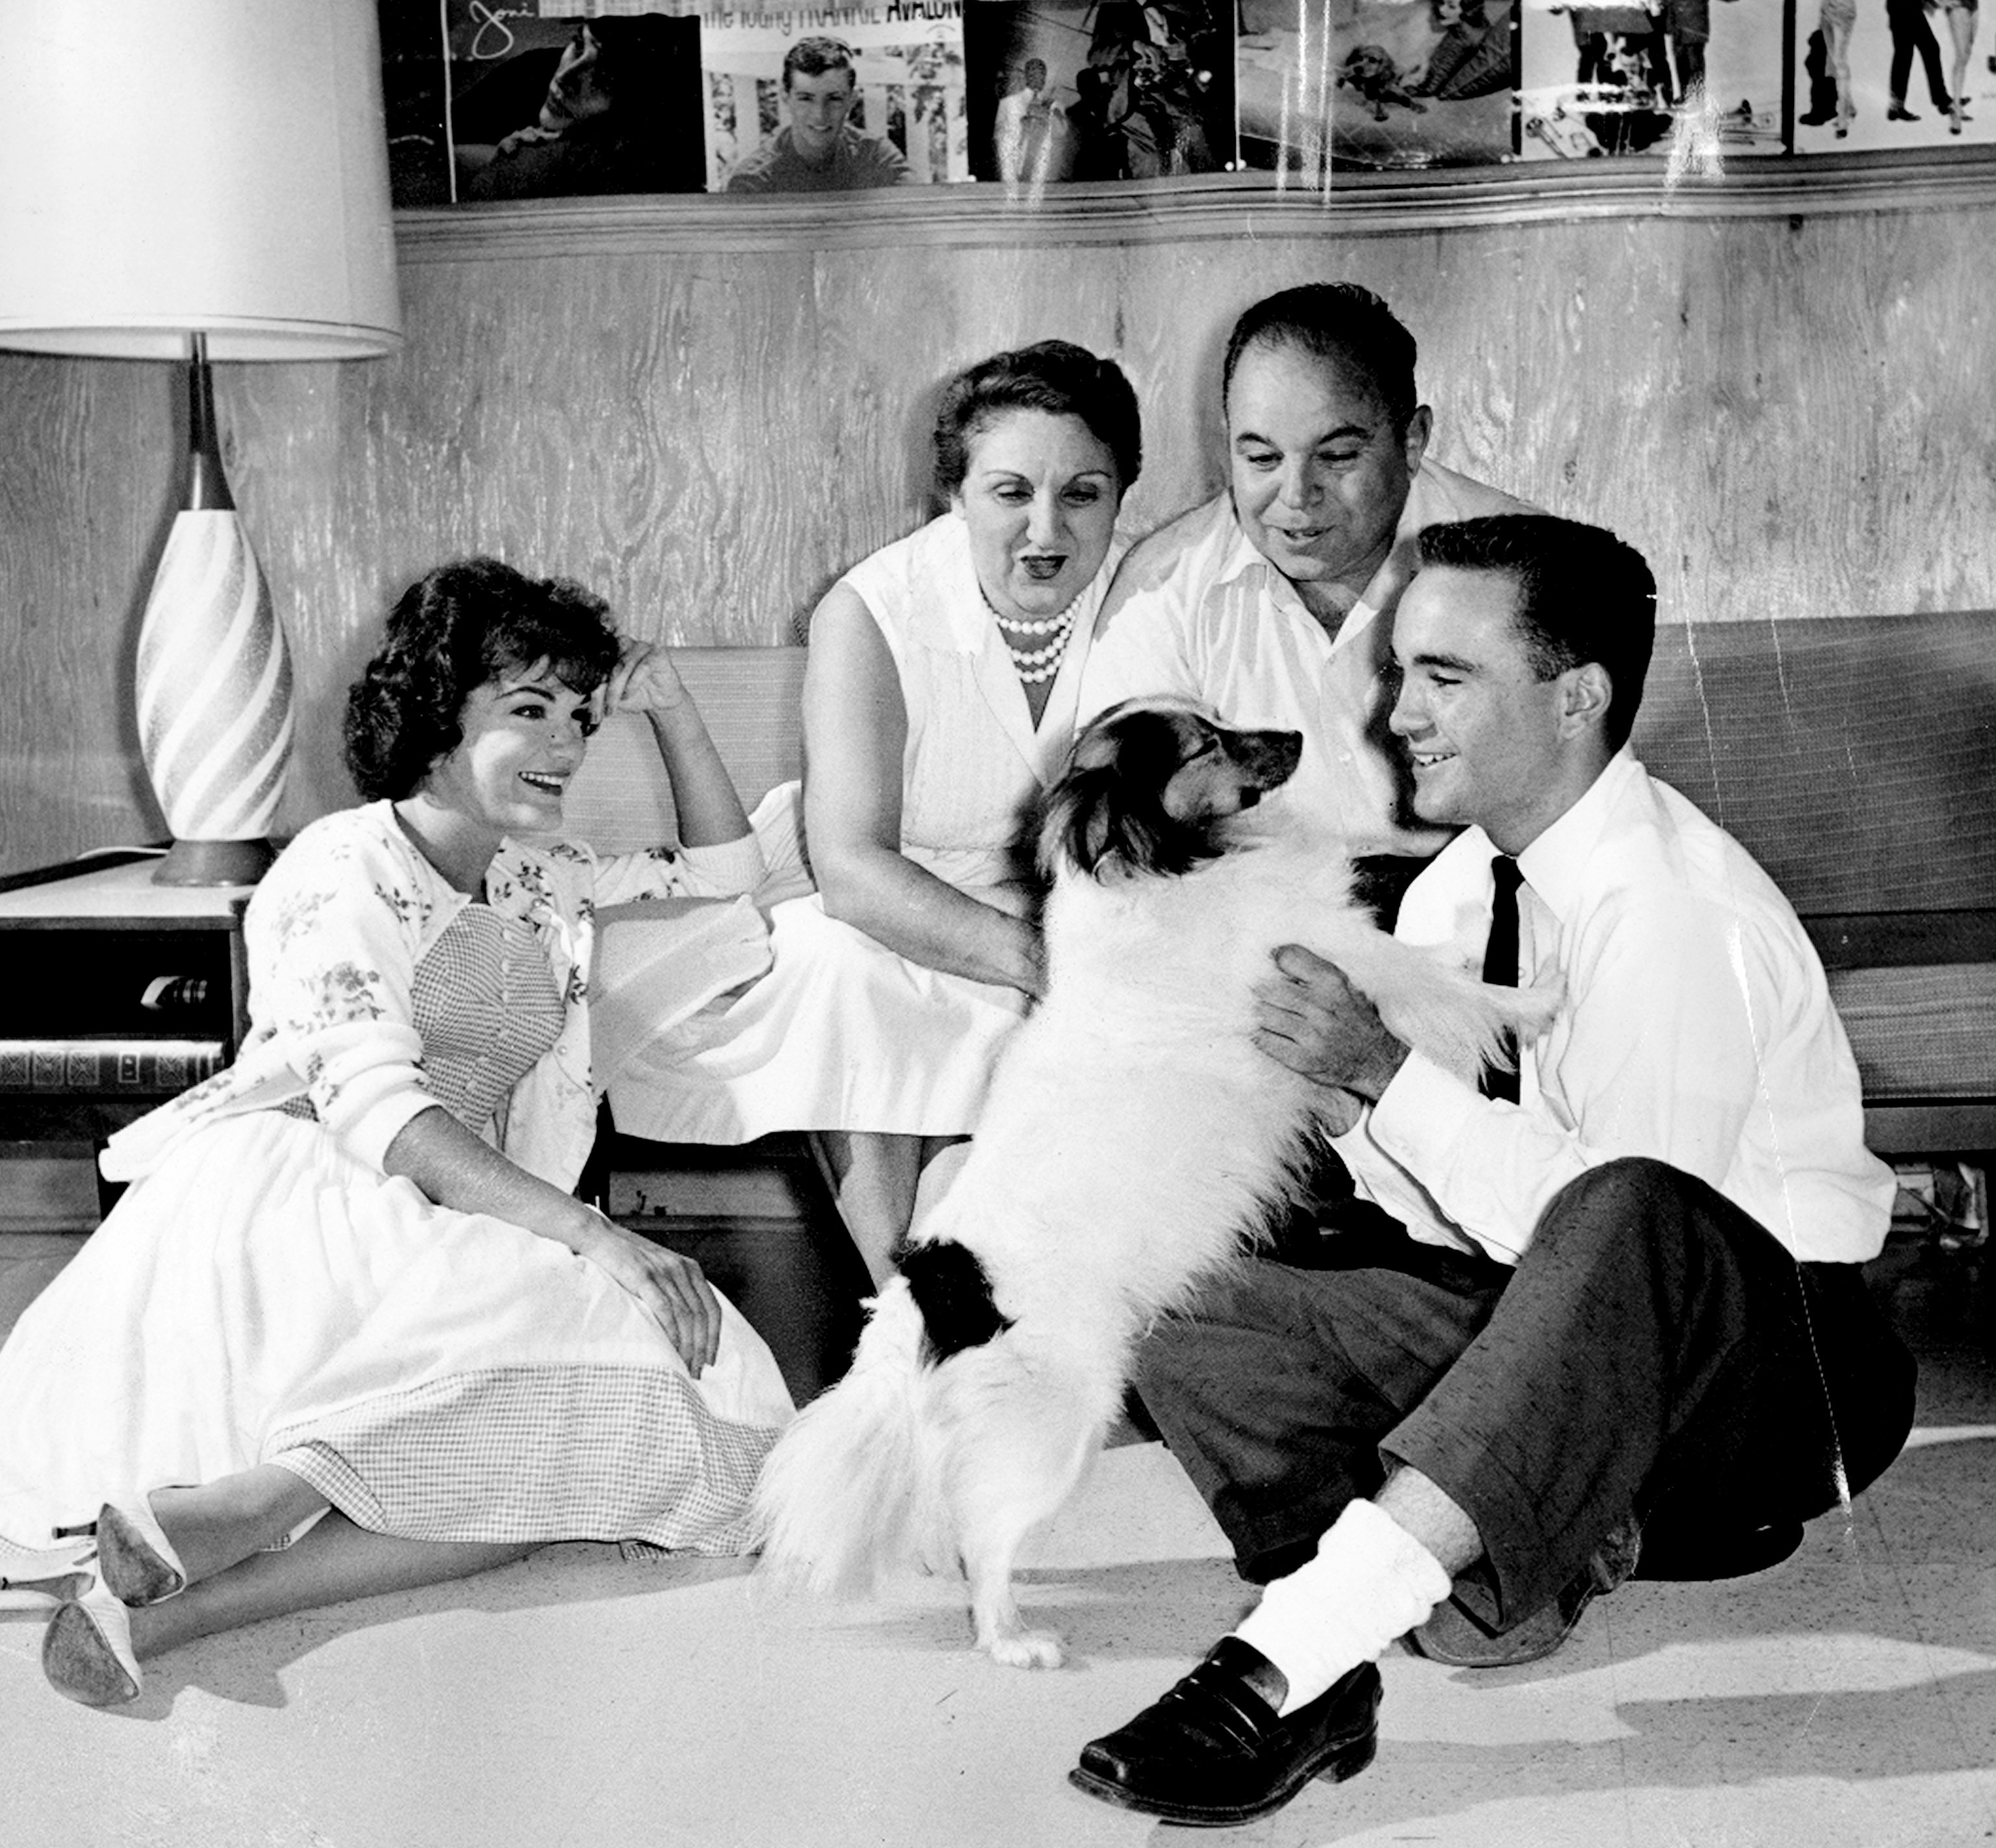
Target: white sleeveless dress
column 843, row 1033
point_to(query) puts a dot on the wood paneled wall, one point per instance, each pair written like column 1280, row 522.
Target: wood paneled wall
column 1789, row 415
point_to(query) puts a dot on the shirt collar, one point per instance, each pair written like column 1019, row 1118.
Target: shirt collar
column 1241, row 557
column 1555, row 864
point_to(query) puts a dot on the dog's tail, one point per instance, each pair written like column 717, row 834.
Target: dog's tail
column 844, row 1496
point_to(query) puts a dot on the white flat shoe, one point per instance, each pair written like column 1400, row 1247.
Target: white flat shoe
column 135, row 1559
column 87, row 1650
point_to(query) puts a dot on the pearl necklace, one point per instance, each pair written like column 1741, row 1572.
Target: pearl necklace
column 1020, row 625
column 1042, row 663
column 1038, row 664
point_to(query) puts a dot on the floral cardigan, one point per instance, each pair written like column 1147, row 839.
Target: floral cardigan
column 334, row 934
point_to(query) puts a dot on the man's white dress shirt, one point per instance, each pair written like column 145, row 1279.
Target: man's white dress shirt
column 1697, row 1029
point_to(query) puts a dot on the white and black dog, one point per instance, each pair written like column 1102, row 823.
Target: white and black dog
column 1134, row 1140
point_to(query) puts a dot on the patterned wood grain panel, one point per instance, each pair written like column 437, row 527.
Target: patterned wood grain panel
column 86, row 501
column 1790, row 416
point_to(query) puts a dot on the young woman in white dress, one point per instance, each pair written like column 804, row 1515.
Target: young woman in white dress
column 349, row 1331
column 939, row 700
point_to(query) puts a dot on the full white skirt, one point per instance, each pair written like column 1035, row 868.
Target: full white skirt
column 263, row 1297
column 842, row 1033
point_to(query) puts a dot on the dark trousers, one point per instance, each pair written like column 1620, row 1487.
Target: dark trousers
column 1655, row 1353
column 1911, row 32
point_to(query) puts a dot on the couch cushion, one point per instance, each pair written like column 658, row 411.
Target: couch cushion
column 1853, row 756
column 1920, row 1032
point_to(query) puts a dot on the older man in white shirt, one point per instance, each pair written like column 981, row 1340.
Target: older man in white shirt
column 1274, row 601
column 1615, row 1292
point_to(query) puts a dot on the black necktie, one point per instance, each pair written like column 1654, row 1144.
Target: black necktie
column 1500, row 962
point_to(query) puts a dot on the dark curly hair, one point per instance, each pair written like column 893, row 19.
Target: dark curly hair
column 1053, row 376
column 460, row 628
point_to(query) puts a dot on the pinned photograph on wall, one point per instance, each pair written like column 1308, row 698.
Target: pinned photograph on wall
column 486, row 102
column 1906, row 73
column 1701, row 81
column 415, row 63
column 795, row 104
column 1390, row 83
column 1112, row 90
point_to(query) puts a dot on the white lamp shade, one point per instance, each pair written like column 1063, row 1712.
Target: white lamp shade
column 169, row 167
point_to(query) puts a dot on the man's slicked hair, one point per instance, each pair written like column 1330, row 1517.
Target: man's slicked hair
column 1340, row 324
column 814, row 57
column 1583, row 595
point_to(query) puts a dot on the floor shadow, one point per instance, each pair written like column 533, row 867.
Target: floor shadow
column 1454, row 1791
column 1158, row 1608
column 245, row 1666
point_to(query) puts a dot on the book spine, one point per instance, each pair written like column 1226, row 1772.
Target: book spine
column 113, row 1067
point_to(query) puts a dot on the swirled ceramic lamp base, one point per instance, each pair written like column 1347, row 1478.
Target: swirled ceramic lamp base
column 215, row 702
column 215, row 863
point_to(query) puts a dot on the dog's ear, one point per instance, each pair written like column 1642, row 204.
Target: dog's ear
column 1073, row 826
column 1077, row 824
column 1108, row 807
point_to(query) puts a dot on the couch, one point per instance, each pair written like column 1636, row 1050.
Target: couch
column 1854, row 756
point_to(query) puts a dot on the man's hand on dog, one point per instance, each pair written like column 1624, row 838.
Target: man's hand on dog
column 1310, row 1019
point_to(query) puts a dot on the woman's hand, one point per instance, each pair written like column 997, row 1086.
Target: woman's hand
column 456, row 1170
column 672, row 1289
column 643, row 680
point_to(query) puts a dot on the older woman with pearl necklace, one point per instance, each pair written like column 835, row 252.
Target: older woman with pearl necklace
column 939, row 700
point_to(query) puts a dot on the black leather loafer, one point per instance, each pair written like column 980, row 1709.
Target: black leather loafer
column 1693, row 1555
column 1213, row 1752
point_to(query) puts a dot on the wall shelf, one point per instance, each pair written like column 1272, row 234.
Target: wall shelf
column 1206, row 207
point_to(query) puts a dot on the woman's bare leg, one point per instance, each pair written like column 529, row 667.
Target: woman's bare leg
column 873, row 1178
column 213, row 1525
column 334, row 1563
column 1961, row 27
column 1836, row 49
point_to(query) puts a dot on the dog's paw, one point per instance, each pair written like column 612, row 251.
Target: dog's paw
column 1538, row 1007
column 1028, row 1649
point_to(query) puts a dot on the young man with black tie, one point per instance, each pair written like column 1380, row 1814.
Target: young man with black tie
column 1625, row 1300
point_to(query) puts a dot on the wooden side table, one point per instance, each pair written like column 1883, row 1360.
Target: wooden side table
column 116, row 994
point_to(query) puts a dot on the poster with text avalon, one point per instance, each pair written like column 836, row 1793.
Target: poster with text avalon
column 829, row 99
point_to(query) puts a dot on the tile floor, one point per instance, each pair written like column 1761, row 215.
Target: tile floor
column 1846, row 1696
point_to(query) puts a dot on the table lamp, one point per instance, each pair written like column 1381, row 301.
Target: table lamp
column 199, row 180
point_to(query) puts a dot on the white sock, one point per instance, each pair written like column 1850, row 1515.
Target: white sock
column 1370, row 1581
